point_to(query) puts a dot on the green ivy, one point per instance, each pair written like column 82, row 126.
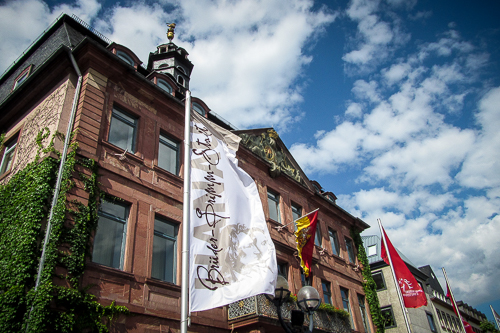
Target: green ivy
column 59, row 303
column 369, row 285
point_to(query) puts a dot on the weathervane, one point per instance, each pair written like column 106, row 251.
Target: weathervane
column 170, row 32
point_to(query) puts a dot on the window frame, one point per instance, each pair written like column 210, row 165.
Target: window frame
column 162, row 83
column 344, row 295
column 8, row 154
column 389, row 309
column 364, row 313
column 176, row 149
column 431, row 321
column 118, row 113
column 21, row 77
column 283, row 266
column 296, row 213
column 125, row 57
column 113, row 218
column 349, row 245
column 328, row 286
column 335, row 243
column 318, row 237
column 157, row 233
column 384, row 287
column 274, row 197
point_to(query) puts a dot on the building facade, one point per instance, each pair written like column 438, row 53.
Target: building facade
column 129, row 118
column 436, row 317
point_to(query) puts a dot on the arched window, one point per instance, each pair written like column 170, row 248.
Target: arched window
column 181, row 69
column 164, row 85
column 197, row 107
column 125, row 57
column 180, row 79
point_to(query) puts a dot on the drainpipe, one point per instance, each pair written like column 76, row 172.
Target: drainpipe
column 61, row 167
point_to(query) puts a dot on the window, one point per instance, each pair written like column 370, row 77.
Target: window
column 198, row 108
column 122, row 130
column 273, row 200
column 372, row 250
column 168, row 154
column 296, row 213
column 450, row 321
column 109, row 241
column 345, row 302
column 440, row 316
column 327, row 292
column 283, row 270
column 334, row 242
column 181, row 69
column 164, row 250
column 8, row 155
column 180, row 79
column 362, row 310
column 431, row 322
column 378, row 277
column 164, row 85
column 128, row 59
column 22, row 77
column 306, row 281
column 317, row 238
column 388, row 316
column 350, row 250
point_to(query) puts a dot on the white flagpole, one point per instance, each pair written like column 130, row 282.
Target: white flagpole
column 185, row 216
column 405, row 312
column 282, row 226
column 494, row 316
column 453, row 300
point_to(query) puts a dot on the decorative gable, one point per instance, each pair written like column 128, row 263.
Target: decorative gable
column 268, row 146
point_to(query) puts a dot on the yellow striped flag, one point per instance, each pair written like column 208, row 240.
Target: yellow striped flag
column 306, row 230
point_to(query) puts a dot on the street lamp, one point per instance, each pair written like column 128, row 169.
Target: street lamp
column 307, row 299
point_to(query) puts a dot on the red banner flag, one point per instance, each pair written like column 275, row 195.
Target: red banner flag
column 468, row 328
column 306, row 230
column 413, row 295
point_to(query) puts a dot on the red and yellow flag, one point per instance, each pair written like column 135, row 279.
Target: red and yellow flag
column 306, row 230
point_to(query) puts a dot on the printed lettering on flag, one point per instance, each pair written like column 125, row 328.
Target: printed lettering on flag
column 306, row 230
column 232, row 255
column 413, row 294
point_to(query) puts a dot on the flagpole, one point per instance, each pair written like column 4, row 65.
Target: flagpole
column 453, row 300
column 405, row 315
column 282, row 226
column 185, row 216
column 495, row 316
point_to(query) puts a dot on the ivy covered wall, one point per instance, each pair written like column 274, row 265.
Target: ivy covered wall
column 369, row 285
column 60, row 303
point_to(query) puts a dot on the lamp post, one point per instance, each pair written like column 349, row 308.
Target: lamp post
column 307, row 299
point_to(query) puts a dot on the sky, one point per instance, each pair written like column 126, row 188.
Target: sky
column 393, row 105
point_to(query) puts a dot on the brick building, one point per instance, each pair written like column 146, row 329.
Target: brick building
column 129, row 118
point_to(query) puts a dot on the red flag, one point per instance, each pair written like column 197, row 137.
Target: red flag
column 413, row 295
column 468, row 328
column 306, row 230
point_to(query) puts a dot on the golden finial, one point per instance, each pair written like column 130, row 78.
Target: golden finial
column 170, row 32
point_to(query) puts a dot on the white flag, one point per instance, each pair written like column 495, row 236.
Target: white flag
column 232, row 256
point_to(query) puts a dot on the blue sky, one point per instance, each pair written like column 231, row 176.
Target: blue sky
column 393, row 105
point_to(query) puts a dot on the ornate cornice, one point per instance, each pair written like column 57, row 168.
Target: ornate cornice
column 265, row 146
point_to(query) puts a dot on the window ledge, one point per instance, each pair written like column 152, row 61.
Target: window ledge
column 166, row 173
column 110, row 270
column 138, row 159
column 163, row 284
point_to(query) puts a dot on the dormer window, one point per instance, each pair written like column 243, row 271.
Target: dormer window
column 180, row 79
column 197, row 107
column 22, row 77
column 128, row 59
column 181, row 69
column 164, row 85
column 163, row 49
column 163, row 66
